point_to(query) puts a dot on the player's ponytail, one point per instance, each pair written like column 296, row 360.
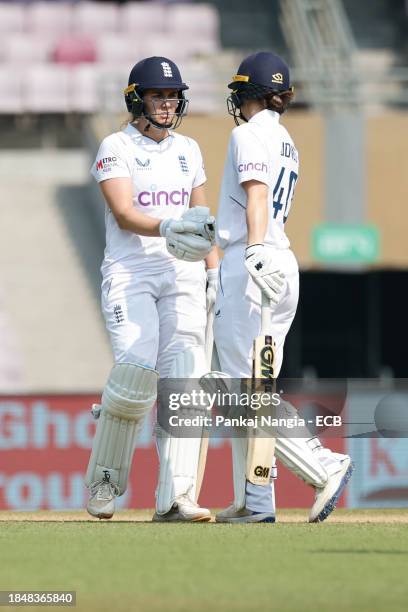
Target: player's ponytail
column 279, row 102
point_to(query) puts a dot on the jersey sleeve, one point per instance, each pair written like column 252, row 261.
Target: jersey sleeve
column 249, row 156
column 200, row 177
column 110, row 161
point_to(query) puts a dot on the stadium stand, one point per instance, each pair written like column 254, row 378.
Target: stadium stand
column 49, row 17
column 103, row 18
column 111, row 36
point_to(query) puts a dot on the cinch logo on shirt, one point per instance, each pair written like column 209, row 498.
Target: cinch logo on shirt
column 253, row 166
column 106, row 161
column 163, row 198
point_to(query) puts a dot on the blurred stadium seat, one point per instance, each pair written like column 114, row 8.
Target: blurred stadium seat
column 138, row 17
column 49, row 89
column 195, row 21
column 170, row 45
column 95, row 17
column 11, row 17
column 11, row 88
column 84, row 88
column 74, row 49
column 117, row 49
column 49, row 17
column 27, row 48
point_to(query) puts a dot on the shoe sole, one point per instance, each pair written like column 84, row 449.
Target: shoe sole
column 332, row 503
column 158, row 518
column 101, row 515
column 257, row 518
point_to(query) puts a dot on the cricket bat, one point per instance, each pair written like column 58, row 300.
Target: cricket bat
column 209, row 346
column 261, row 450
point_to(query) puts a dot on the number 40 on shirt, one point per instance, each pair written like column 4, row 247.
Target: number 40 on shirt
column 283, row 192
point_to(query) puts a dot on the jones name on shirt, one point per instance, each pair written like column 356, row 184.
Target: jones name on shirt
column 288, row 150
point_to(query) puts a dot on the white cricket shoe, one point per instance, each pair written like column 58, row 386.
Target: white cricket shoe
column 232, row 515
column 184, row 509
column 326, row 499
column 102, row 499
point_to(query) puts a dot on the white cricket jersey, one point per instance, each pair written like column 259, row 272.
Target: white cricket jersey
column 259, row 150
column 163, row 175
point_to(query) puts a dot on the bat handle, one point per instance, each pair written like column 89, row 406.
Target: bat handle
column 209, row 337
column 265, row 314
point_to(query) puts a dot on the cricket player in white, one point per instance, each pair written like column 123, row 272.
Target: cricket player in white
column 259, row 180
column 158, row 232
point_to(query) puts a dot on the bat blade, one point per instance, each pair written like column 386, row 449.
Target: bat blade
column 263, row 369
column 261, row 448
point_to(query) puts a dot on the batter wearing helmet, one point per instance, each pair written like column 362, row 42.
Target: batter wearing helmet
column 260, row 176
column 158, row 234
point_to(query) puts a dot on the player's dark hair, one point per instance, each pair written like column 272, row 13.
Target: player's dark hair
column 279, row 101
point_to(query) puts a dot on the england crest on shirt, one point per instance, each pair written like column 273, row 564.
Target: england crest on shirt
column 183, row 164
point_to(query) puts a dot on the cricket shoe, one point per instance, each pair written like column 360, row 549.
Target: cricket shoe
column 183, row 510
column 326, row 499
column 232, row 515
column 102, row 499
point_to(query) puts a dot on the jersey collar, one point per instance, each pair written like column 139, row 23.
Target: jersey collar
column 134, row 133
column 264, row 116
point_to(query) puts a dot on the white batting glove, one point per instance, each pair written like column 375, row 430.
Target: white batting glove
column 165, row 225
column 188, row 247
column 204, row 222
column 195, row 220
column 212, row 286
column 265, row 273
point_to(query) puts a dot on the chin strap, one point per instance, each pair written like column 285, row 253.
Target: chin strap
column 160, row 126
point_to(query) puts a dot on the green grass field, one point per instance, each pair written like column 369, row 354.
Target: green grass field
column 357, row 560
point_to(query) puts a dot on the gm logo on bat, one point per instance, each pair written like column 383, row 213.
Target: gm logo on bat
column 262, row 471
column 267, row 357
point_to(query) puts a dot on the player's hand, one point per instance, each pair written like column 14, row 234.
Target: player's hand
column 195, row 220
column 188, row 247
column 258, row 262
column 204, row 223
column 212, row 286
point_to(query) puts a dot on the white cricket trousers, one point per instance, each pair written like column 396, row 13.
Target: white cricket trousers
column 238, row 321
column 238, row 310
column 153, row 317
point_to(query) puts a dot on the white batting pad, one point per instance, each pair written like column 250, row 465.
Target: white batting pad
column 129, row 395
column 298, row 456
column 179, row 457
column 299, row 452
column 239, row 463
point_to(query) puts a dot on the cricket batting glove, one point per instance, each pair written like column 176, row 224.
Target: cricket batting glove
column 212, row 286
column 196, row 220
column 188, row 247
column 258, row 262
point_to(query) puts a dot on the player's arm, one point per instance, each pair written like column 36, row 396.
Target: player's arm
column 258, row 260
column 199, row 198
column 118, row 193
column 256, row 210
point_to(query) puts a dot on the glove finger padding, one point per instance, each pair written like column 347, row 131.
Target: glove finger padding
column 274, row 282
column 205, row 223
column 188, row 247
column 205, row 230
column 272, row 295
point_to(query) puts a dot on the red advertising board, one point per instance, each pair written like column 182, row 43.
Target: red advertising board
column 45, row 443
